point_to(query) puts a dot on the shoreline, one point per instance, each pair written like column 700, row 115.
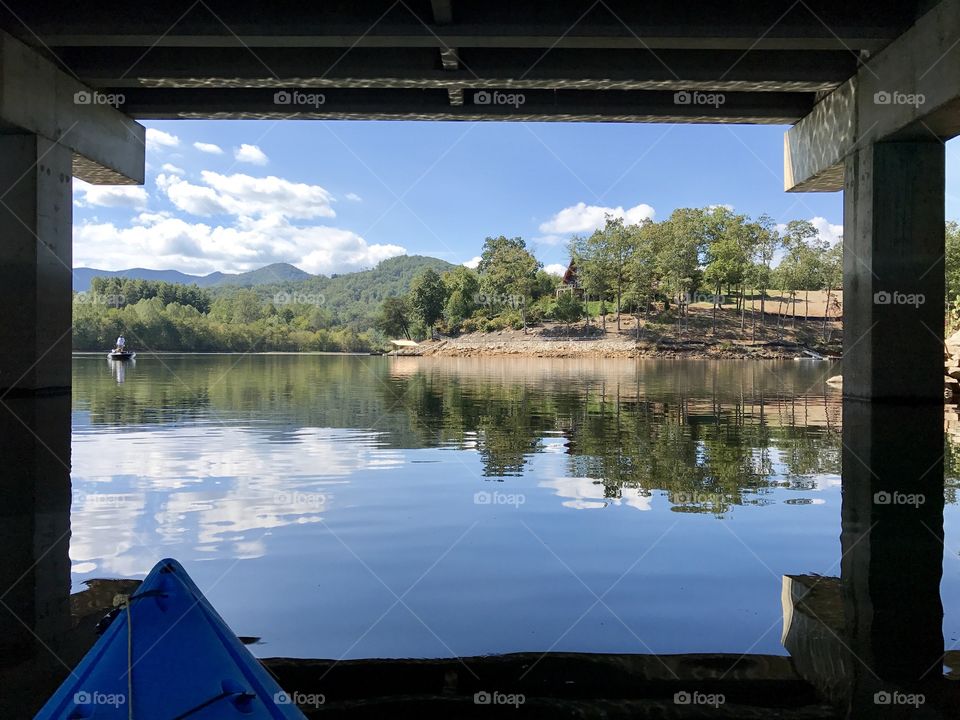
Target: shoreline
column 613, row 347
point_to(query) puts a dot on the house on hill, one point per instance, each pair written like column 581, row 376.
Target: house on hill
column 569, row 282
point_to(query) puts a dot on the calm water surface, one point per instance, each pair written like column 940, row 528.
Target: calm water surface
column 389, row 507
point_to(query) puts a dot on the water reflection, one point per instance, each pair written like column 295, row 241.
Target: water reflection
column 119, row 368
column 301, row 468
column 682, row 493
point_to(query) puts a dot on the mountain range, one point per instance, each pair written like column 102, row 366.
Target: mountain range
column 275, row 273
column 351, row 298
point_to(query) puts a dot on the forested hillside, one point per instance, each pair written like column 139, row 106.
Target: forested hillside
column 318, row 314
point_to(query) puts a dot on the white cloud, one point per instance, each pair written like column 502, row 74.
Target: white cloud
column 250, row 154
column 473, row 262
column 827, row 231
column 126, row 196
column 173, row 169
column 582, row 218
column 157, row 139
column 208, row 148
column 830, row 233
column 169, row 242
column 261, row 227
column 353, row 197
column 246, row 196
column 556, row 269
column 589, row 494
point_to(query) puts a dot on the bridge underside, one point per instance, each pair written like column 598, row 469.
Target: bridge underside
column 872, row 90
column 573, row 60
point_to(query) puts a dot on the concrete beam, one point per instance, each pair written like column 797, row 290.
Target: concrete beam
column 411, row 104
column 633, row 69
column 910, row 90
column 36, row 97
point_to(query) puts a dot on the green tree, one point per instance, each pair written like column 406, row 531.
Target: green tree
column 727, row 252
column 568, row 308
column 394, row 317
column 643, row 278
column 766, row 242
column 462, row 286
column 832, row 271
column 592, row 256
column 952, row 260
column 427, row 297
column 508, row 272
column 680, row 254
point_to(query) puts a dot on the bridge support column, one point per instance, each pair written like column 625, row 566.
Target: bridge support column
column 892, row 514
column 35, row 343
column 893, row 272
column 35, row 265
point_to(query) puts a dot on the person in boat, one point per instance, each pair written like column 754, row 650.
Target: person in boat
column 121, row 343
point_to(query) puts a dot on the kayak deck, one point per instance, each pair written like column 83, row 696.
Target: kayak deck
column 184, row 662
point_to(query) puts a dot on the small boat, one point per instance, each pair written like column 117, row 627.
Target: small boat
column 121, row 355
column 166, row 653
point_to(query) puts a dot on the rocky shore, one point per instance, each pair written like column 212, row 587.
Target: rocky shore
column 611, row 345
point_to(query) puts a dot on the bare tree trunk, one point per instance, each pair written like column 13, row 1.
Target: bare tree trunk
column 826, row 312
column 716, row 298
column 806, row 306
column 743, row 307
column 618, row 309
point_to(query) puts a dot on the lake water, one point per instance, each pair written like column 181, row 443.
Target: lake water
column 396, row 507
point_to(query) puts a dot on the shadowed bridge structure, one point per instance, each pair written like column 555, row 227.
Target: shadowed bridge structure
column 871, row 91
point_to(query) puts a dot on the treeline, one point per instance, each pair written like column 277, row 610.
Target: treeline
column 710, row 254
column 157, row 315
column 120, row 291
column 652, row 270
column 696, row 254
column 506, row 290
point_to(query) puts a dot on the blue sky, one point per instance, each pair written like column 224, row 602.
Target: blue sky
column 340, row 196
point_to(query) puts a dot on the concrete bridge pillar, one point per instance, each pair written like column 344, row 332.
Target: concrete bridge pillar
column 35, row 297
column 893, row 272
column 46, row 138
column 35, row 265
column 892, row 514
